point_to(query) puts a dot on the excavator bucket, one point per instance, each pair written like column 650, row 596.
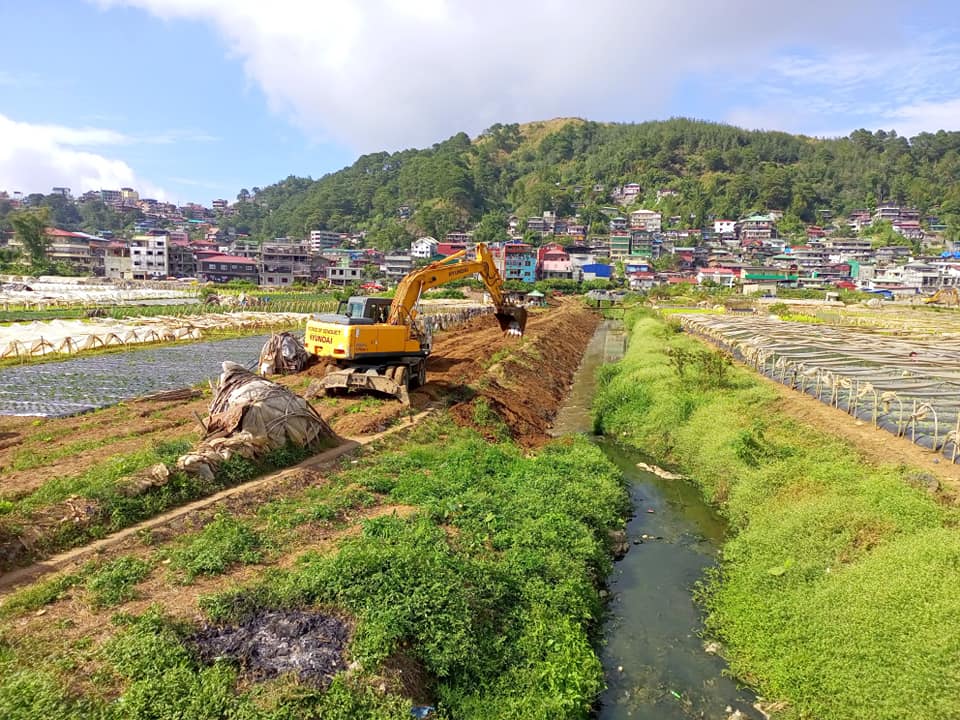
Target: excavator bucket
column 512, row 319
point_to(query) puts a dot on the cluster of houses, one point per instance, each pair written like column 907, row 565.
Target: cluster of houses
column 156, row 213
column 747, row 253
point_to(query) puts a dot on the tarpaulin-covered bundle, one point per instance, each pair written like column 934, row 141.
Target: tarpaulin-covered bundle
column 250, row 416
column 282, row 353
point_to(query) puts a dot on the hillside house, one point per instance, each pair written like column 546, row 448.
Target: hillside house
column 756, row 227
column 647, row 220
column 424, row 248
column 725, row 277
column 553, row 262
column 597, row 271
column 224, row 268
column 516, row 261
column 724, row 227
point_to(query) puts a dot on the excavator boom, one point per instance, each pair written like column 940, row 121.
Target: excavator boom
column 512, row 318
column 375, row 346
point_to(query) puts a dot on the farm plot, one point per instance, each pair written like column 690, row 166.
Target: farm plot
column 909, row 386
column 58, row 389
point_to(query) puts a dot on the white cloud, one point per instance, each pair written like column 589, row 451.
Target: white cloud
column 393, row 73
column 35, row 158
column 910, row 88
column 921, row 117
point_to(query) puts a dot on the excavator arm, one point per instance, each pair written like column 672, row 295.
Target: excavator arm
column 403, row 310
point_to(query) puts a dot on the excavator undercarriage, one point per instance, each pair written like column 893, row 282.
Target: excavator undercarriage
column 391, row 379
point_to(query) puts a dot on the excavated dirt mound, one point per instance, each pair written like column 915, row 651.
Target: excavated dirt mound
column 275, row 642
column 523, row 380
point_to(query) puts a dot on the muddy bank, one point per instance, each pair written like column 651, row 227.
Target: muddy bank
column 526, row 382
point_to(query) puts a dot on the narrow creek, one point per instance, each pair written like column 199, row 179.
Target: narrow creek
column 654, row 658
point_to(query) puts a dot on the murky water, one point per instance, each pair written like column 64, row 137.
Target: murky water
column 654, row 658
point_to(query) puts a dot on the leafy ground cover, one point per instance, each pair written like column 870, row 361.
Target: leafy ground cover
column 836, row 591
column 475, row 589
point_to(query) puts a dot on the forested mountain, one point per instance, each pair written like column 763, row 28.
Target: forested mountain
column 716, row 170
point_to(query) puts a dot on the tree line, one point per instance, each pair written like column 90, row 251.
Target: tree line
column 716, row 170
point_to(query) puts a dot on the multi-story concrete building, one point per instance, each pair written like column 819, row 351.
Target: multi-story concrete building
column 117, row 264
column 756, row 228
column 620, row 245
column 344, row 274
column 321, row 240
column 724, row 227
column 396, row 266
column 282, row 261
column 148, row 255
column 458, row 236
column 71, row 249
column 181, row 259
column 553, row 262
column 516, row 261
column 648, row 220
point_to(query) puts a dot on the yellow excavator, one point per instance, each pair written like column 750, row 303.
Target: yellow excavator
column 382, row 345
column 944, row 296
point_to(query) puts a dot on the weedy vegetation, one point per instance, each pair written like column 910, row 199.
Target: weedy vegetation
column 836, row 592
column 487, row 585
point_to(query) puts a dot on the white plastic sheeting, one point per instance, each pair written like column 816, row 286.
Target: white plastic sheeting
column 73, row 336
column 905, row 381
column 85, row 291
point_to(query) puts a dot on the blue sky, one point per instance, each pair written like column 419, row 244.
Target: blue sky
column 194, row 99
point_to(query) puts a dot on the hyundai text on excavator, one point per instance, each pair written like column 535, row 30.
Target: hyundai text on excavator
column 382, row 345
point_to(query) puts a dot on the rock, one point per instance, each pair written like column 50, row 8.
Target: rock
column 712, row 648
column 736, row 715
column 924, row 481
column 618, row 543
column 638, row 541
column 619, row 668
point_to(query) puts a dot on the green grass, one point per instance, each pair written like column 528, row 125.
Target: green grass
column 100, row 481
column 116, row 508
column 836, row 591
column 491, row 586
column 35, row 596
column 224, row 542
column 114, row 583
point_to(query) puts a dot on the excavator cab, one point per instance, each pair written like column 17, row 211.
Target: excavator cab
column 360, row 308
